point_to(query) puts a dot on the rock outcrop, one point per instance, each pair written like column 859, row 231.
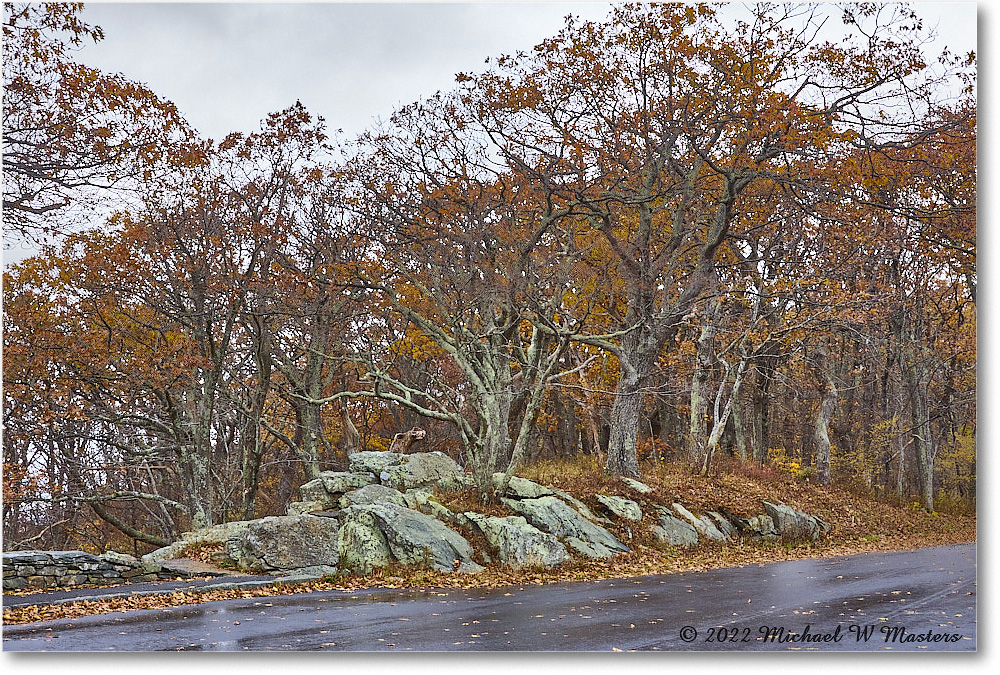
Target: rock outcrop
column 325, row 491
column 673, row 530
column 703, row 524
column 519, row 544
column 360, row 542
column 725, row 528
column 632, row 483
column 282, row 543
column 794, row 524
column 551, row 514
column 216, row 534
column 521, row 488
column 385, row 510
column 404, row 472
column 373, row 494
column 386, row 469
column 621, row 507
column 679, row 527
column 379, row 534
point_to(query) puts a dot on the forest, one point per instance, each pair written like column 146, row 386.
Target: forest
column 684, row 234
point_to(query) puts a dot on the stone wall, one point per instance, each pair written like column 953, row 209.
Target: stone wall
column 66, row 569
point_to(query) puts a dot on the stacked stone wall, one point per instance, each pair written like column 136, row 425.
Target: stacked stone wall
column 68, row 569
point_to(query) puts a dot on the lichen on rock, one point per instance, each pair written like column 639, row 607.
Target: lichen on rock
column 552, row 515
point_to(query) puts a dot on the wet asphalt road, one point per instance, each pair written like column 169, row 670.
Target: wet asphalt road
column 922, row 600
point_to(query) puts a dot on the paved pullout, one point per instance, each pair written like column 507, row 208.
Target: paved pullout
column 917, row 600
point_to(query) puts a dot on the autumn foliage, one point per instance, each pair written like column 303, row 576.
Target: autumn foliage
column 687, row 234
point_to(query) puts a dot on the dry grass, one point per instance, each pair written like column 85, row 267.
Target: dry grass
column 860, row 525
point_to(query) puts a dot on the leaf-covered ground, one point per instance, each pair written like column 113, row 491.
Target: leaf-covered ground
column 860, row 525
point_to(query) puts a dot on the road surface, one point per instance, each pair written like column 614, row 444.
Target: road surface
column 923, row 600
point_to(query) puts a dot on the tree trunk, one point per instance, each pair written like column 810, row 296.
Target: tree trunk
column 251, row 438
column 828, row 403
column 252, row 456
column 761, row 409
column 901, row 469
column 491, row 447
column 625, row 413
column 568, row 427
column 704, row 363
column 595, row 425
column 307, row 437
column 916, row 381
column 739, row 428
column 667, row 425
column 698, row 422
column 195, row 470
column 722, row 417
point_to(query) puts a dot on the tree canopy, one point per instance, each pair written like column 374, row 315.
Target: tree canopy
column 685, row 233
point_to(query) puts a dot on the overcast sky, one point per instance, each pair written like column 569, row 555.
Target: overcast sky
column 227, row 65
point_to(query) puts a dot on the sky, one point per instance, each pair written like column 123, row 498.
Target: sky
column 226, row 66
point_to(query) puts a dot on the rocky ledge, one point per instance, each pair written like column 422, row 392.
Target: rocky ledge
column 384, row 511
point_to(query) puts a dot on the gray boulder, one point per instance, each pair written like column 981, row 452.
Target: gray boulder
column 311, row 573
column 373, row 494
column 762, row 527
column 521, row 488
column 285, row 543
column 313, row 491
column 460, row 482
column 405, row 472
column 360, row 542
column 704, row 525
column 722, row 523
column 641, row 488
column 411, row 537
column 437, row 510
column 300, row 508
column 621, row 507
column 217, row 534
column 793, row 524
column 330, row 485
column 414, row 498
column 582, row 508
column 339, row 482
column 589, row 549
column 116, row 558
column 519, row 544
column 674, row 531
column 552, row 515
column 423, row 500
column 373, row 462
column 740, row 524
column 427, row 468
